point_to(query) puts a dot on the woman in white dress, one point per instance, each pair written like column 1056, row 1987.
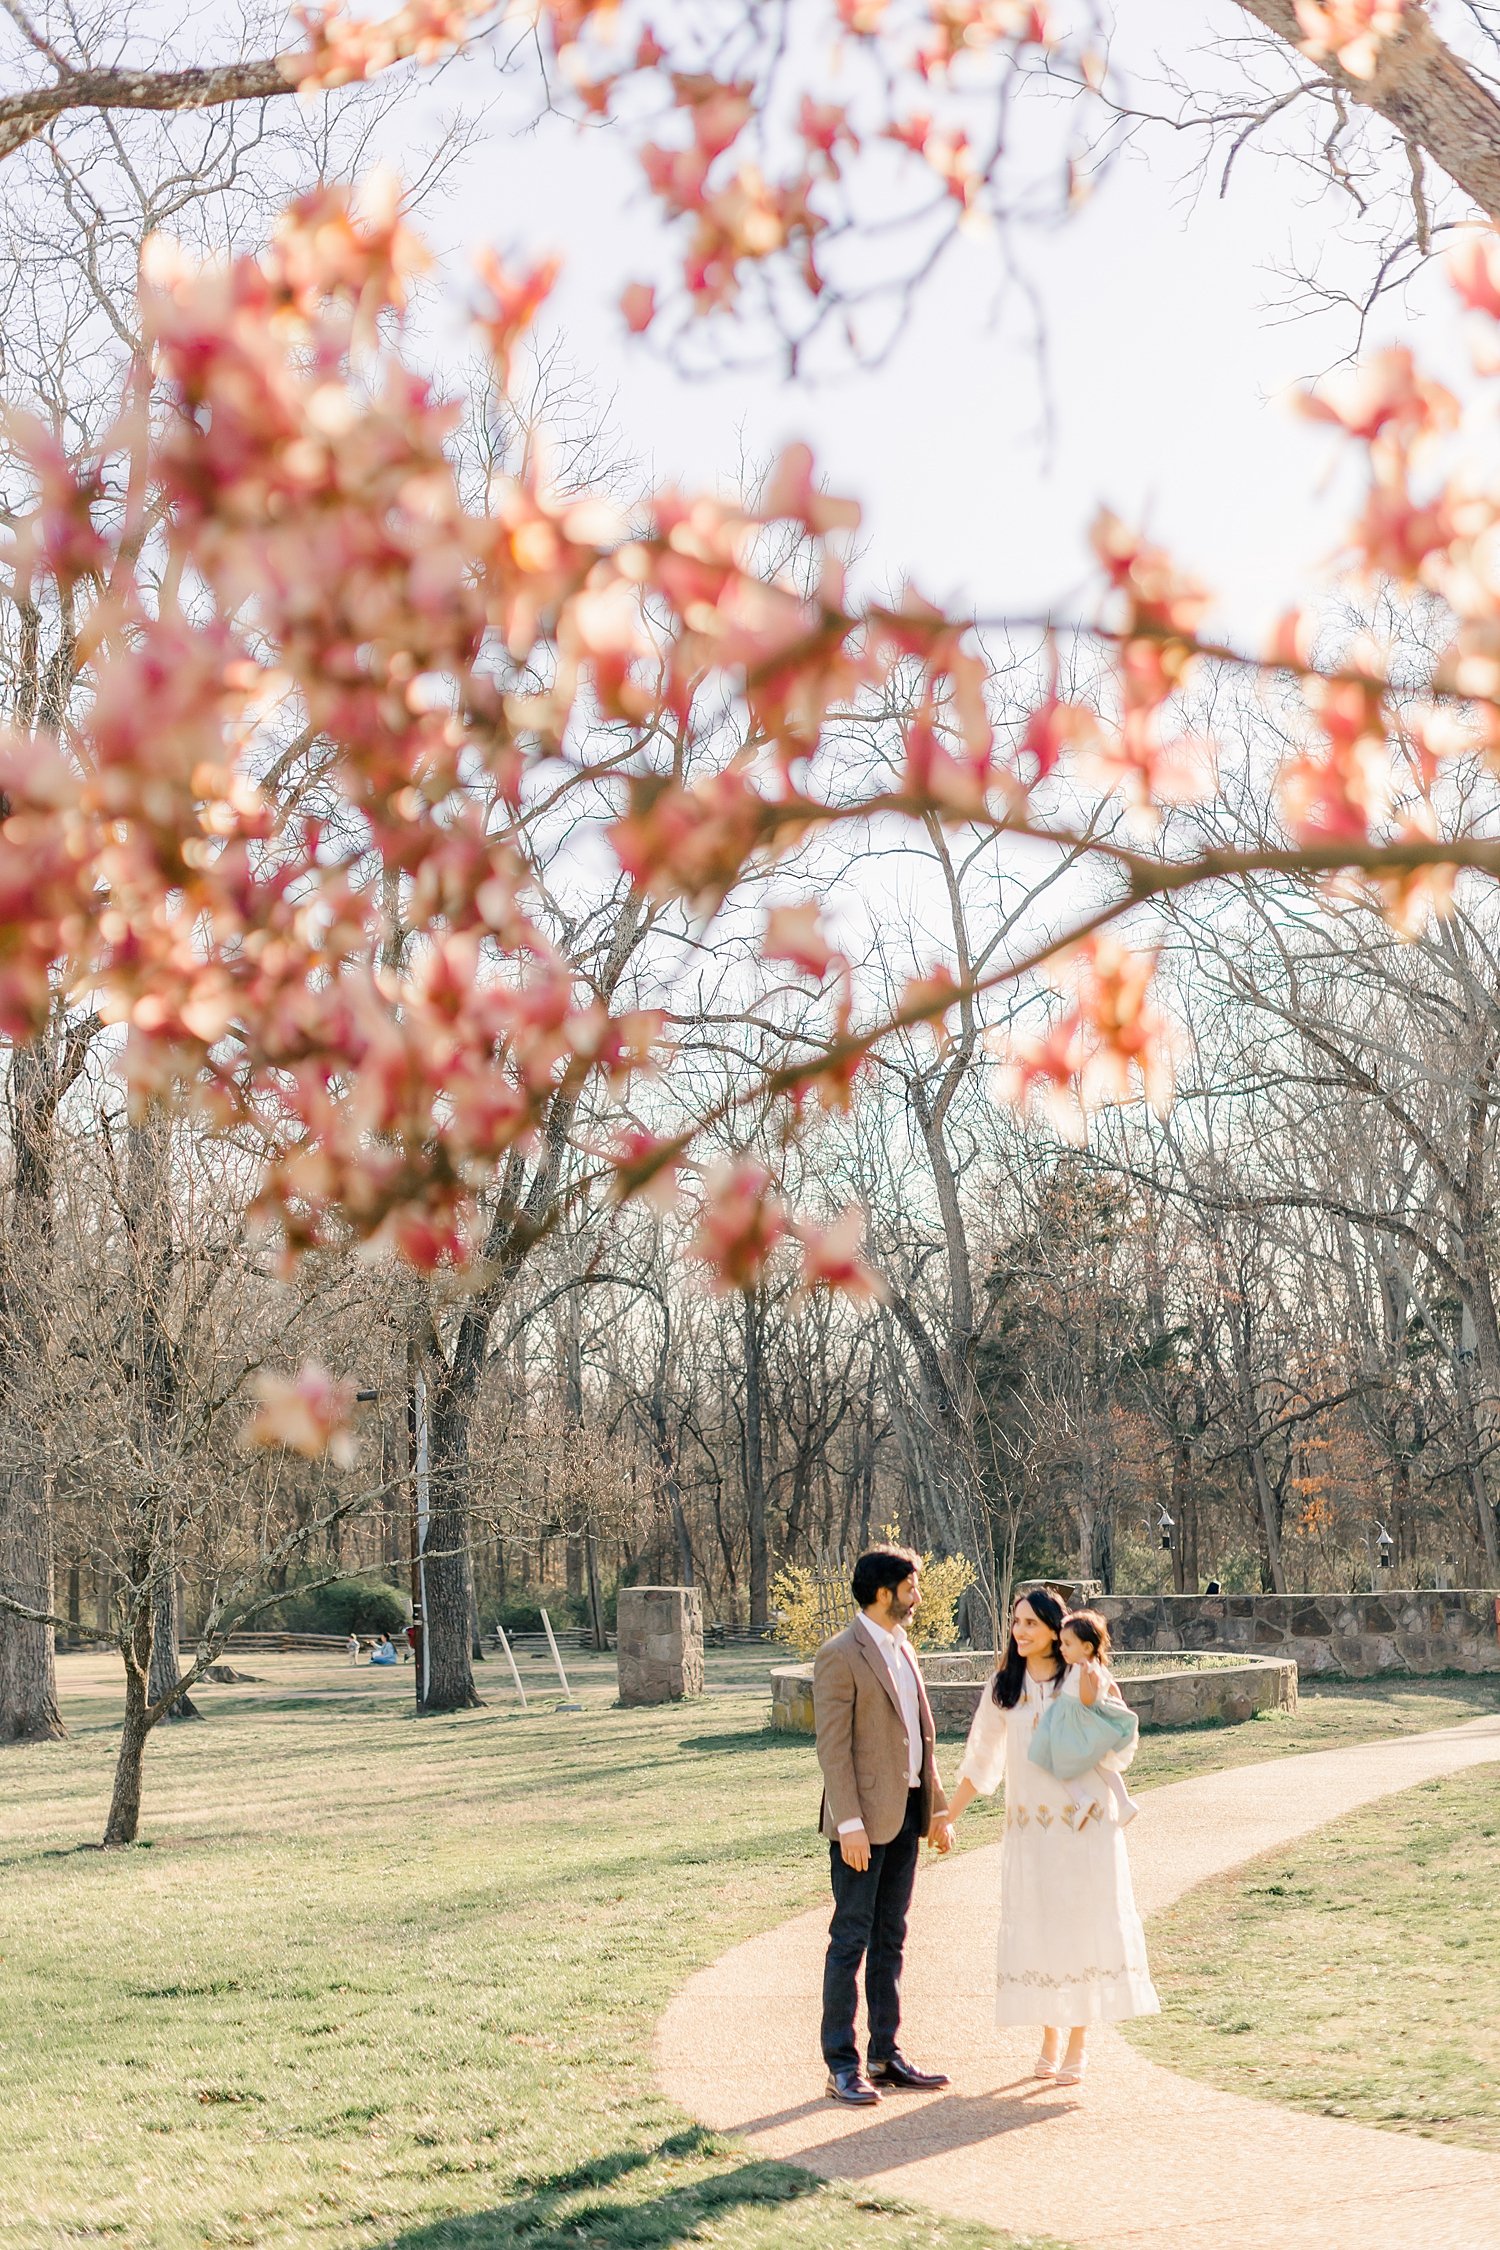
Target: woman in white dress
column 1072, row 1951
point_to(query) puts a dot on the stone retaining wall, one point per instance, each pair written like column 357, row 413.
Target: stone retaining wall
column 1360, row 1636
column 1160, row 1697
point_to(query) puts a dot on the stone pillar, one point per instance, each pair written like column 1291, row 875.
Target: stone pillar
column 659, row 1637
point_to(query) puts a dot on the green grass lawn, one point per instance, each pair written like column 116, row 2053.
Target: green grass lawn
column 1357, row 1973
column 382, row 1981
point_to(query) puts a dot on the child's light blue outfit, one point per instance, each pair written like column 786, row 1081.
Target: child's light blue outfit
column 1074, row 1737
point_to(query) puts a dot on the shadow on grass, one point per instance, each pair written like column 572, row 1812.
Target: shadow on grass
column 603, row 2171
column 549, row 2215
column 745, row 1738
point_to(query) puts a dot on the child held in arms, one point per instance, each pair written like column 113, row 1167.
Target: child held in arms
column 1086, row 1734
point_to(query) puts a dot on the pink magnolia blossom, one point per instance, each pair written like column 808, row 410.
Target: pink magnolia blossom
column 1385, row 393
column 792, row 490
column 648, row 1166
column 308, row 1412
column 1352, row 33
column 341, row 48
column 1474, row 271
column 741, row 1223
column 1338, row 793
column 833, row 1257
column 638, row 305
column 1111, row 1039
column 967, row 27
column 795, row 934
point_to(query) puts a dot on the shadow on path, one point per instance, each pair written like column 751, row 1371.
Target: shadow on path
column 919, row 2128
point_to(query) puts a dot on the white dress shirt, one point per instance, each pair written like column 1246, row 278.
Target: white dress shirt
column 895, row 1653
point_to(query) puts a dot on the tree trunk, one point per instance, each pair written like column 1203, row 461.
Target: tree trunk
column 476, row 1644
column 1101, row 1554
column 755, row 1478
column 28, row 1666
column 596, row 1606
column 1184, row 1511
column 1474, row 1449
column 1270, row 1526
column 165, row 1673
column 125, row 1803
column 445, row 1568
column 1479, row 1346
column 28, row 1671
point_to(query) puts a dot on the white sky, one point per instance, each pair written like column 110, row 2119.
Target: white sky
column 1167, row 376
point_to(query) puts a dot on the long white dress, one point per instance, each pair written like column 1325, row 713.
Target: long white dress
column 1072, row 1950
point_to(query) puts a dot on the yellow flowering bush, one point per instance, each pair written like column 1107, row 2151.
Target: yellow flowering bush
column 808, row 1605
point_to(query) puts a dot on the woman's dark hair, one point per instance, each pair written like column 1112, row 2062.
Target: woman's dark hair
column 1010, row 1680
column 881, row 1566
column 1093, row 1630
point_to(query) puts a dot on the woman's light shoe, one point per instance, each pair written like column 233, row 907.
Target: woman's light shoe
column 1071, row 2074
column 1046, row 2066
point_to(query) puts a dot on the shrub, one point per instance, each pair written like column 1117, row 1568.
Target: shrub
column 521, row 1613
column 808, row 1607
column 345, row 1605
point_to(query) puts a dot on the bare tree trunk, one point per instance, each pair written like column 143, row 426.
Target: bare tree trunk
column 28, row 1667
column 445, row 1570
column 1474, row 1447
column 1270, row 1527
column 124, row 1820
column 476, row 1645
column 152, row 1380
column 165, row 1635
column 755, row 1478
column 28, row 1671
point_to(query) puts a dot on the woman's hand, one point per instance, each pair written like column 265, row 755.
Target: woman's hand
column 962, row 1796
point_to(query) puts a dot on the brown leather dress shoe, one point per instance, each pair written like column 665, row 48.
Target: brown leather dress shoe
column 851, row 2086
column 896, row 2071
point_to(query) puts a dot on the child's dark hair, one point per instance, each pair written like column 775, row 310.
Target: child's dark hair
column 1092, row 1630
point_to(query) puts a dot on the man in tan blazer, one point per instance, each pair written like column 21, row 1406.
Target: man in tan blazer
column 881, row 1795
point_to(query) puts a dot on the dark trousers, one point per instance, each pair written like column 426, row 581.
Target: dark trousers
column 869, row 1925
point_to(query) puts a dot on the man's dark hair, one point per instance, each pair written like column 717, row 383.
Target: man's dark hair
column 881, row 1566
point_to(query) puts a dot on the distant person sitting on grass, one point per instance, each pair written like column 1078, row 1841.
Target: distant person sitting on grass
column 383, row 1652
column 351, row 1648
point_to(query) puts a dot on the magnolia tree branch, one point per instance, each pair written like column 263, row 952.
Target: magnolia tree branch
column 23, row 116
column 1431, row 98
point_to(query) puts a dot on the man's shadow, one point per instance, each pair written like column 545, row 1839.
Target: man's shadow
column 911, row 2131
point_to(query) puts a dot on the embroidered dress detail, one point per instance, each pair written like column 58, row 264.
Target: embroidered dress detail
column 1071, row 1950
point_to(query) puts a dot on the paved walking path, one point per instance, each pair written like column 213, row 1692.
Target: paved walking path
column 1159, row 2162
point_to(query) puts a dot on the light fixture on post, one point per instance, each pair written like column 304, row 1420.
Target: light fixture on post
column 1384, row 1543
column 1166, row 1525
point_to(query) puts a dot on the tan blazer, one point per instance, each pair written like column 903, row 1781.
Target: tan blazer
column 862, row 1740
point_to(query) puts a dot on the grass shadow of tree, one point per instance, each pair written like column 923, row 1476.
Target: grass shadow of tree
column 744, row 1738
column 549, row 2214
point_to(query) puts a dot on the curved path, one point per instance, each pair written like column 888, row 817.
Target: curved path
column 1159, row 2162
